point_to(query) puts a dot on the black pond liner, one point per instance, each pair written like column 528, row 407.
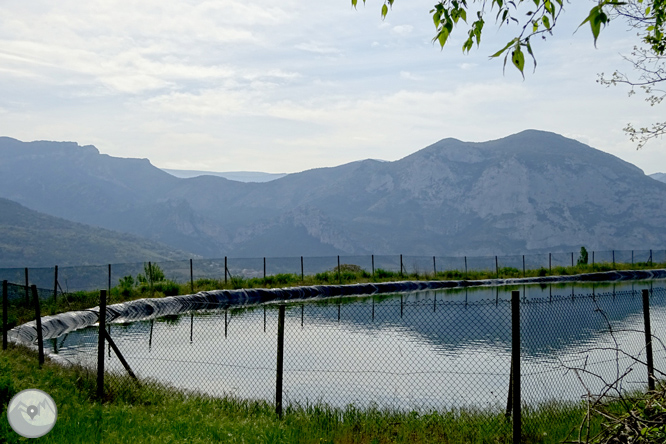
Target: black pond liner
column 144, row 309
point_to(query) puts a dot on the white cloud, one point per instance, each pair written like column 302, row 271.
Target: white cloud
column 409, row 76
column 273, row 86
column 402, row 30
column 317, row 48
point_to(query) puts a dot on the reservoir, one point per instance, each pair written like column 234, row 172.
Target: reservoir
column 434, row 349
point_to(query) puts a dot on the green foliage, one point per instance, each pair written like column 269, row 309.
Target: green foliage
column 539, row 18
column 510, row 272
column 281, row 279
column 352, row 268
column 380, row 273
column 126, row 285
column 584, row 257
column 151, row 273
column 167, row 287
column 636, row 418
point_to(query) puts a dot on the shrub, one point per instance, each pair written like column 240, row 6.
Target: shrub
column 126, row 284
column 381, row 273
column 151, row 273
column 351, row 268
column 583, row 258
column 169, row 288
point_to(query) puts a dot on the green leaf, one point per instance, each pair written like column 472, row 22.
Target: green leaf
column 384, row 11
column 443, row 36
column 354, row 2
column 546, row 22
column 499, row 53
column 518, row 59
column 596, row 18
column 550, row 8
column 529, row 50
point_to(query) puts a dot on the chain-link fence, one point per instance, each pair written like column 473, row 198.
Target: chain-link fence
column 419, row 351
column 98, row 277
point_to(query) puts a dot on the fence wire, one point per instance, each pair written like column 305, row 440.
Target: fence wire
column 422, row 351
column 98, row 277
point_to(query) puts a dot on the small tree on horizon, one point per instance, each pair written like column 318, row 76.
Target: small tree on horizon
column 583, row 258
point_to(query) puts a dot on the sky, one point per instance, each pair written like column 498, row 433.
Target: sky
column 286, row 86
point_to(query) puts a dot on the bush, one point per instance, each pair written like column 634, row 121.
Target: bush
column 169, row 288
column 510, row 272
column 151, row 273
column 584, row 257
column 380, row 273
column 126, row 284
column 281, row 279
column 351, row 268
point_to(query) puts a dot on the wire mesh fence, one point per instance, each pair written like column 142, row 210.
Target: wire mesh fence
column 421, row 351
column 97, row 277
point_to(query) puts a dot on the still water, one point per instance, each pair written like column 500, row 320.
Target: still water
column 420, row 350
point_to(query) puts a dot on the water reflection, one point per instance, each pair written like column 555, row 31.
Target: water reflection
column 431, row 349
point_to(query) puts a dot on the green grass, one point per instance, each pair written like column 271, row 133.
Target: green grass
column 156, row 413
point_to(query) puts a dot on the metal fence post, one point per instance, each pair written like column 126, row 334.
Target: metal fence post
column 401, row 265
column 465, row 267
column 4, row 315
column 226, row 270
column 302, row 276
column 339, row 278
column 523, row 265
column 572, row 259
column 100, row 344
column 109, row 286
column 515, row 361
column 280, row 359
column 27, row 288
column 434, row 266
column 373, row 266
column 264, row 267
column 191, row 277
column 496, row 267
column 38, row 325
column 613, row 259
column 55, row 285
column 550, row 262
column 150, row 277
column 648, row 339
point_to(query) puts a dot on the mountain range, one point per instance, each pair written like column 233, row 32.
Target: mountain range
column 530, row 192
column 239, row 176
column 32, row 239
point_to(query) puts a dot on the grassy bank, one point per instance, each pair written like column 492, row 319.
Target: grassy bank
column 155, row 413
column 130, row 288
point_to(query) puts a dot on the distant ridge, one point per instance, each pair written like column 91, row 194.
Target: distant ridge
column 533, row 191
column 239, row 176
column 661, row 177
column 32, row 239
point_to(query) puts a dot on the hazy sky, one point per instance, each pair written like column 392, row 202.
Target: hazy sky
column 284, row 86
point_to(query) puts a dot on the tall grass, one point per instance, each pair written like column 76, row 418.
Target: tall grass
column 151, row 412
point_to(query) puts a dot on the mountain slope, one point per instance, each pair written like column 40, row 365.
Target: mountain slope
column 32, row 239
column 661, row 177
column 532, row 191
